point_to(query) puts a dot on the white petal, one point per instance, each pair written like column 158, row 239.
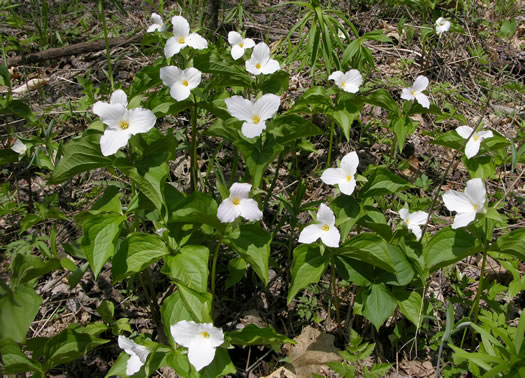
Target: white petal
column 200, row 354
column 350, row 162
column 134, row 364
column 237, row 52
column 184, row 332
column 181, row 28
column 113, row 140
column 267, row 106
column 457, row 201
column 196, row 41
column 333, row 176
column 406, row 94
column 156, row 19
column 248, row 43
column 125, row 344
column 310, row 233
column 353, row 80
column 403, row 214
column 180, row 91
column 240, row 108
column 331, row 237
column 464, row 131
column 227, row 211
column 215, row 335
column 251, row 66
column 193, row 76
column 418, row 218
column 261, row 53
column 463, row 219
column 119, row 97
column 476, row 192
column 252, row 130
column 153, row 28
column 170, row 75
column 172, row 47
column 416, row 230
column 347, row 187
column 109, row 112
column 19, row 147
column 472, row 148
column 250, row 210
column 336, row 76
column 234, row 38
column 485, row 134
column 420, row 84
column 140, row 120
column 423, row 100
column 240, row 190
column 270, row 67
column 325, row 215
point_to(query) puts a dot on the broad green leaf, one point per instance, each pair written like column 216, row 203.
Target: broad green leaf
column 307, row 268
column 137, row 252
column 288, row 128
column 173, row 310
column 450, row 139
column 237, row 269
column 274, row 83
column 8, row 156
column 119, row 366
column 252, row 243
column 383, row 181
column 197, row 208
column 383, row 99
column 480, row 167
column 19, row 309
column 221, row 365
column 20, row 109
column 369, row 248
column 27, row 267
column 379, row 304
column 511, row 244
column 99, row 240
column 213, row 62
column 109, row 202
column 347, row 211
column 15, row 361
column 177, row 359
column 377, row 35
column 410, row 304
column 106, row 309
column 198, row 304
column 402, row 127
column 374, row 219
column 344, row 117
column 253, row 335
column 189, row 267
column 80, row 155
column 314, row 100
column 448, row 246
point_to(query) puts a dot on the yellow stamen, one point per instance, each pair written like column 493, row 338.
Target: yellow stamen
column 343, row 84
column 236, row 201
column 256, row 119
column 407, row 221
column 258, row 66
column 349, row 178
column 124, row 125
column 205, row 334
column 475, row 207
column 185, row 83
column 241, row 45
column 181, row 40
column 476, row 137
column 326, row 227
column 413, row 92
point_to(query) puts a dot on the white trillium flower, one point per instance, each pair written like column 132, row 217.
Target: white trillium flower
column 472, row 147
column 414, row 220
column 239, row 44
column 442, row 25
column 137, row 354
column 201, row 339
column 260, row 62
column 122, row 123
column 349, row 81
column 324, row 229
column 157, row 23
column 180, row 82
column 344, row 176
column 415, row 92
column 182, row 38
column 341, row 35
column 237, row 204
column 253, row 113
column 19, row 147
column 466, row 204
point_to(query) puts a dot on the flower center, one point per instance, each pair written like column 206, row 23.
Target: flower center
column 256, row 119
column 241, row 45
column 205, row 334
column 349, row 178
column 185, row 83
column 475, row 207
column 236, row 201
column 124, row 125
column 326, row 227
column 407, row 221
column 442, row 24
column 343, row 84
column 412, row 92
column 476, row 137
column 258, row 66
column 181, row 40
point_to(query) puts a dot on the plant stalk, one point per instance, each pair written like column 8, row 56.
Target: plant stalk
column 108, row 55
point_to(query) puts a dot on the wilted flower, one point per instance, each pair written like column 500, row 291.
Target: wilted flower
column 201, row 339
column 137, row 354
column 157, row 23
column 442, row 25
column 349, row 81
column 472, row 147
column 19, row 147
column 324, row 229
column 254, row 114
column 414, row 220
column 182, row 38
column 344, row 176
column 237, row 204
column 416, row 92
column 238, row 44
column 180, row 82
column 122, row 123
column 466, row 204
column 260, row 62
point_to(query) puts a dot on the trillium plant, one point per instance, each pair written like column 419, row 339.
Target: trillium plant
column 344, row 176
column 349, row 81
column 137, row 354
column 239, row 44
column 473, row 144
column 324, row 229
column 180, row 82
column 156, row 24
column 239, row 204
column 415, row 92
column 254, row 114
column 442, row 25
column 182, row 38
column 466, row 204
column 260, row 61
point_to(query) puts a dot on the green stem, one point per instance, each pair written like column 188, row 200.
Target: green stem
column 336, row 298
column 108, row 56
column 274, row 181
column 194, row 146
column 330, row 145
column 475, row 308
column 214, row 267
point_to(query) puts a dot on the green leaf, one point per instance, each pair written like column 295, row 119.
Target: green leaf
column 80, row 155
column 136, row 253
column 450, row 139
column 252, row 243
column 198, row 304
column 402, row 127
column 480, row 167
column 109, row 202
column 511, row 244
column 189, row 267
column 174, row 310
column 15, row 361
column 448, row 246
column 99, row 240
column 382, row 181
column 383, row 99
column 344, row 117
column 197, row 208
column 253, row 335
column 347, row 211
column 213, row 62
column 377, row 35
column 379, row 304
column 221, row 365
column 274, row 83
column 28, row 267
column 106, row 309
column 314, row 100
column 19, row 309
column 410, row 304
column 8, row 156
column 237, row 269
column 369, row 248
column 307, row 267
column 288, row 128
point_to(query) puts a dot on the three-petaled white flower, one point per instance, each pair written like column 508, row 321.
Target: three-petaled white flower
column 239, row 44
column 324, row 229
column 472, row 147
column 416, row 92
column 122, row 123
column 237, row 204
column 344, row 176
column 466, row 204
column 341, row 34
column 260, row 62
column 137, row 354
column 157, row 24
column 201, row 339
column 253, row 113
column 182, row 38
column 19, row 147
column 442, row 25
column 180, row 82
column 414, row 220
column 349, row 81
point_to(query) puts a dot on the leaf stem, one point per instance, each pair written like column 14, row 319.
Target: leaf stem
column 214, row 267
column 330, row 145
column 108, row 55
column 194, row 146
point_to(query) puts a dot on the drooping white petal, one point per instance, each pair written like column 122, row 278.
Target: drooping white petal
column 157, row 23
column 351, row 81
column 270, row 67
column 457, row 201
column 347, row 186
column 234, row 38
column 476, row 192
column 325, row 215
column 403, row 214
column 140, row 120
column 336, row 76
column 248, row 43
column 484, row 134
column 113, row 140
column 109, row 112
column 333, row 176
column 266, row 106
column 200, row 354
column 253, row 67
column 464, row 131
column 472, row 147
column 420, row 84
column 137, row 354
column 261, row 53
column 423, row 100
column 193, row 76
column 181, row 27
column 196, row 41
column 331, row 237
column 180, row 91
column 172, row 47
column 133, row 365
column 250, row 210
column 416, row 230
column 240, row 108
column 184, row 331
column 418, row 218
column 463, row 219
column 19, row 147
column 240, row 190
column 156, row 19
column 406, row 94
column 442, row 25
column 252, row 130
column 170, row 75
column 350, row 162
column 119, row 97
column 237, row 52
column 311, row 233
column 227, row 211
